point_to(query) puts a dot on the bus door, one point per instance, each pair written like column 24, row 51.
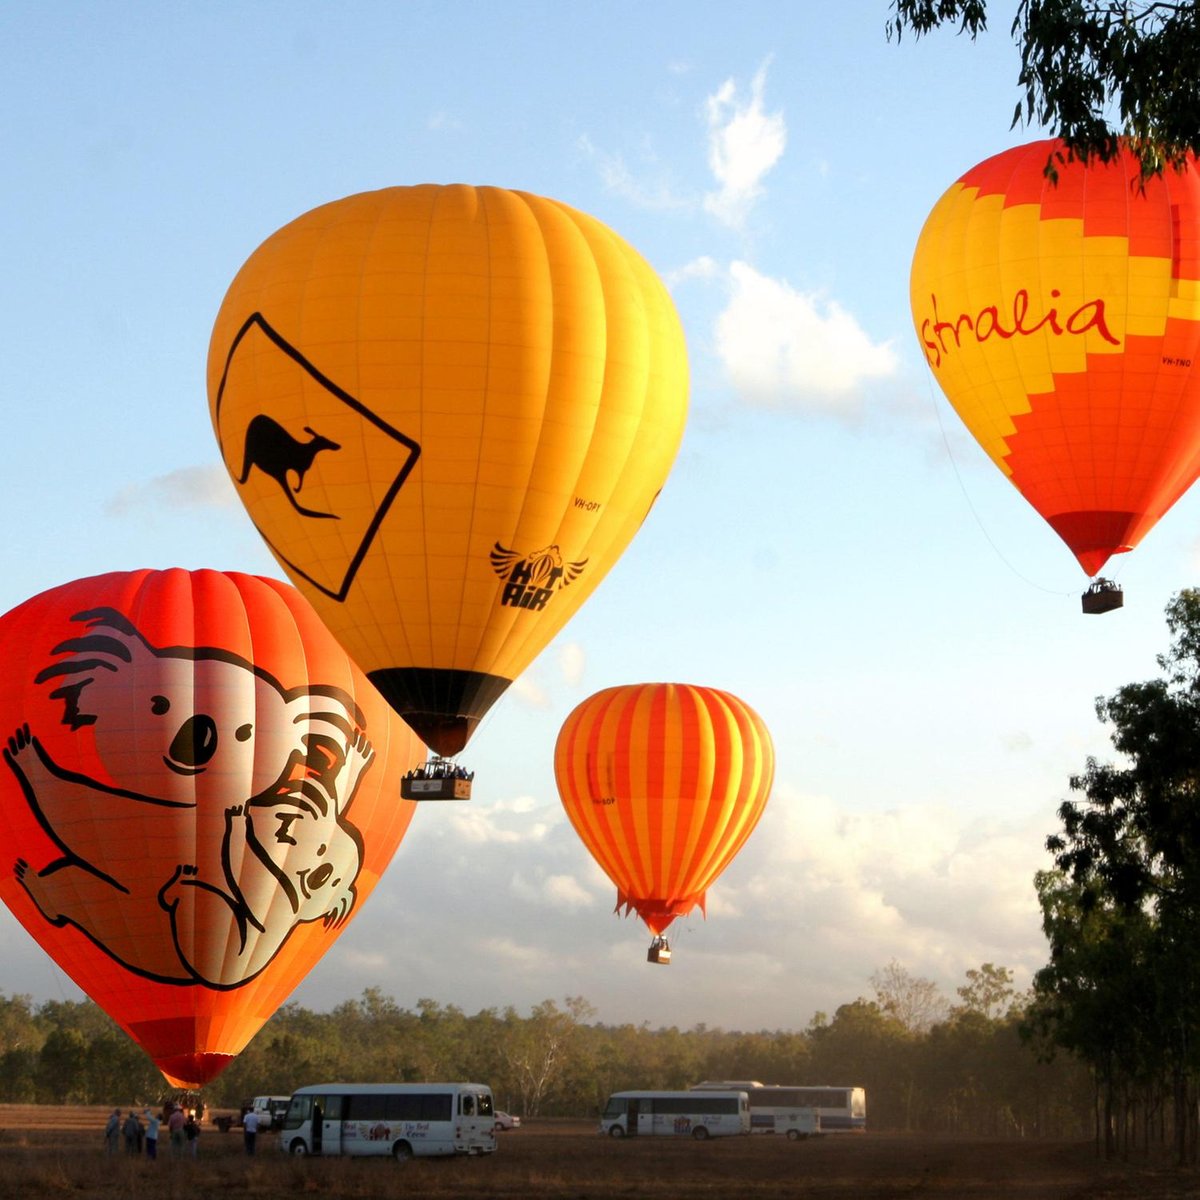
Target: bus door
column 327, row 1125
column 632, row 1110
column 476, row 1122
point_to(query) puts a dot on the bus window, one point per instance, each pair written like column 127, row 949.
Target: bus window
column 467, row 1102
column 365, row 1107
column 485, row 1106
column 298, row 1112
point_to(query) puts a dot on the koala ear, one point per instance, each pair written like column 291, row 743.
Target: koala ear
column 93, row 652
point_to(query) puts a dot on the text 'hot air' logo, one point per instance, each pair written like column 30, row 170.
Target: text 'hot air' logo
column 206, row 752
column 530, row 581
column 939, row 335
column 295, row 471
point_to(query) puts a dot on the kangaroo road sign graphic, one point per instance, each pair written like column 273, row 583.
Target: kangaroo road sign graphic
column 301, row 481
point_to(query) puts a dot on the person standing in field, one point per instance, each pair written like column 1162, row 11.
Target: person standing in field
column 175, row 1124
column 191, row 1131
column 151, row 1134
column 250, row 1130
column 112, row 1132
column 132, row 1129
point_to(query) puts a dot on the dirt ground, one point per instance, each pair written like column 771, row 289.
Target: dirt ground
column 46, row 1152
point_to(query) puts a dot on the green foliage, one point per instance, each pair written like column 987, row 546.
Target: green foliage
column 1094, row 71
column 1122, row 989
column 966, row 1073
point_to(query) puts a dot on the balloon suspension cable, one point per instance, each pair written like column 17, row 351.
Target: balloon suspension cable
column 933, row 398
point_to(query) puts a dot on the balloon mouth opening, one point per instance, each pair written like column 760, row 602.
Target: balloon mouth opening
column 657, row 914
column 190, row 1072
column 1095, row 536
column 441, row 706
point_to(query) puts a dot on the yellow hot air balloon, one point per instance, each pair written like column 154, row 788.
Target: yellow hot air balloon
column 447, row 409
column 663, row 782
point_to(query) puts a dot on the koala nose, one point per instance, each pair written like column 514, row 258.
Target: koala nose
column 196, row 741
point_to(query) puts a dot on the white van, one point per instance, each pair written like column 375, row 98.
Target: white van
column 270, row 1110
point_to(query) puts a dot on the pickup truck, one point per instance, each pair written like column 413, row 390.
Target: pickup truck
column 271, row 1111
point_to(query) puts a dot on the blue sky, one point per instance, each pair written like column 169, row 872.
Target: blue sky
column 830, row 546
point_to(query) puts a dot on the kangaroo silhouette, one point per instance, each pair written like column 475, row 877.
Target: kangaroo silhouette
column 274, row 451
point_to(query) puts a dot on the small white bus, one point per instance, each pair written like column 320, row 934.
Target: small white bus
column 401, row 1119
column 790, row 1110
column 676, row 1114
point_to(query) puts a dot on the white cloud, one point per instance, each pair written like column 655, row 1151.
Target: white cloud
column 650, row 190
column 744, row 143
column 481, row 824
column 787, row 349
column 529, row 691
column 572, row 662
column 703, row 267
column 931, row 887
column 559, row 890
column 187, row 487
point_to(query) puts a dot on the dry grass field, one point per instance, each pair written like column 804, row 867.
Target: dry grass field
column 58, row 1152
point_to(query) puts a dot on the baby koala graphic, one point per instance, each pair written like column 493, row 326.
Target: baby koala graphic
column 222, row 825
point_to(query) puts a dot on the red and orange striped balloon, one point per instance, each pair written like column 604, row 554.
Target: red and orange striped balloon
column 664, row 782
column 197, row 789
column 1062, row 320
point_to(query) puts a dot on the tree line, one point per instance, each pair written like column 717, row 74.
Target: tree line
column 925, row 1064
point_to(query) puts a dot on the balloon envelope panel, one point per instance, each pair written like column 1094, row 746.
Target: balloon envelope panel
column 198, row 790
column 1062, row 320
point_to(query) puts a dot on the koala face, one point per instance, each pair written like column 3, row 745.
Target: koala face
column 189, row 726
column 187, row 730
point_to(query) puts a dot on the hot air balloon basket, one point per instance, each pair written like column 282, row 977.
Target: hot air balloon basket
column 437, row 780
column 1103, row 596
column 659, row 952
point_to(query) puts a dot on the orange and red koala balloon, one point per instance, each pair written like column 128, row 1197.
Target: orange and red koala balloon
column 1062, row 320
column 447, row 409
column 198, row 789
column 663, row 782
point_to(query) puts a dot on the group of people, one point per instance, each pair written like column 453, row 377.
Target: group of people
column 183, row 1131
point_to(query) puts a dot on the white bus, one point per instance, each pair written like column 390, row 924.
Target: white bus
column 676, row 1114
column 400, row 1119
column 784, row 1109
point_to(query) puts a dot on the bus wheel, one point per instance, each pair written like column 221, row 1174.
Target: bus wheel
column 700, row 1133
column 402, row 1152
column 298, row 1148
column 616, row 1131
column 794, row 1135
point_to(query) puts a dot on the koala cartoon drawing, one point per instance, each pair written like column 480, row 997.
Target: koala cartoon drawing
column 206, row 751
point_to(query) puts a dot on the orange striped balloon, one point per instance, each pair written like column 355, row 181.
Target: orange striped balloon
column 1062, row 320
column 664, row 782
